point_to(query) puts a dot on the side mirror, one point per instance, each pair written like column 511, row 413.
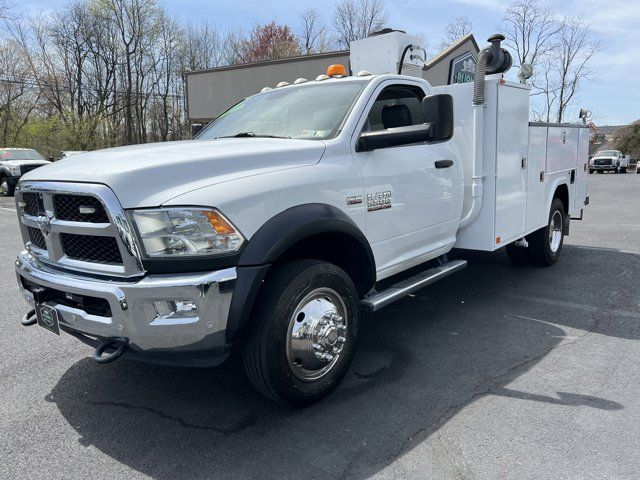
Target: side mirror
column 393, row 137
column 437, row 110
column 196, row 128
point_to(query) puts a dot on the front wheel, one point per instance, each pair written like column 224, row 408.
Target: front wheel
column 304, row 335
column 6, row 189
column 590, row 172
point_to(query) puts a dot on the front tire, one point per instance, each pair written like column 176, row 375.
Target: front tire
column 304, row 335
column 6, row 189
column 590, row 172
column 546, row 244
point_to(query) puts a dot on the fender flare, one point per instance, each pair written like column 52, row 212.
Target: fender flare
column 273, row 239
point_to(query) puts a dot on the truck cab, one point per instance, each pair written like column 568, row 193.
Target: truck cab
column 290, row 214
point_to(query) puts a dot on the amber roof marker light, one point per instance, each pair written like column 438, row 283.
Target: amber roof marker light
column 336, row 70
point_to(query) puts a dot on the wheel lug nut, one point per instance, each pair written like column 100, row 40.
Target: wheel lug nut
column 317, row 347
column 342, row 339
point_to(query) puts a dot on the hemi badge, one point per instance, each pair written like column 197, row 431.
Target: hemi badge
column 86, row 210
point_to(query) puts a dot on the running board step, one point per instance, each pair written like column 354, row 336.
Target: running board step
column 402, row 289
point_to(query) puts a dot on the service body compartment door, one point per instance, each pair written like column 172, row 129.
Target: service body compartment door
column 562, row 157
column 582, row 173
column 537, row 213
column 511, row 163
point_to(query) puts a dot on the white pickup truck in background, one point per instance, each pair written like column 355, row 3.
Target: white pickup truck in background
column 273, row 228
column 609, row 161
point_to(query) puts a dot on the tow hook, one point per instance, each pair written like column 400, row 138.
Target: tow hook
column 119, row 346
column 29, row 318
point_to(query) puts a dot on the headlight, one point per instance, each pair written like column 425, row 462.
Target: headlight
column 186, row 232
column 14, row 170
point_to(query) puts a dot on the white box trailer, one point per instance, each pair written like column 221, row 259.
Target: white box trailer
column 523, row 164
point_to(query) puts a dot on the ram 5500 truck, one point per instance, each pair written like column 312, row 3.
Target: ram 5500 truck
column 272, row 230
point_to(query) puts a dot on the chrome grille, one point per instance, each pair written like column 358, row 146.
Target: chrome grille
column 91, row 249
column 37, row 238
column 79, row 227
column 31, row 202
column 79, row 208
column 602, row 162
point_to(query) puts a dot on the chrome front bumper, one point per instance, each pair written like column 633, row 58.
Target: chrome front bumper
column 133, row 315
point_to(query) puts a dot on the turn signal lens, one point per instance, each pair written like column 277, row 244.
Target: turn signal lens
column 219, row 223
column 336, row 70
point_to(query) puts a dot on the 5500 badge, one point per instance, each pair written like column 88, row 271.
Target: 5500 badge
column 378, row 201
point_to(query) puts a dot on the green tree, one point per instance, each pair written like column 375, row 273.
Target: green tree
column 627, row 140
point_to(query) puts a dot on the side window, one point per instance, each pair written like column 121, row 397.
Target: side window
column 396, row 106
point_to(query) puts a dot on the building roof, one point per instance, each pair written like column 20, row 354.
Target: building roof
column 337, row 53
column 444, row 53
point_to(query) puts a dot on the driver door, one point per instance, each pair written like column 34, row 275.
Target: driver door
column 413, row 193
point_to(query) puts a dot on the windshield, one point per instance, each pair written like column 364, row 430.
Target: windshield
column 608, row 153
column 311, row 111
column 20, row 155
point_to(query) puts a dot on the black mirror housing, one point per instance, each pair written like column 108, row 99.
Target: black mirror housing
column 438, row 111
column 393, row 137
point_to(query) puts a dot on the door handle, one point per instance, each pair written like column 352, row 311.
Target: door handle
column 444, row 163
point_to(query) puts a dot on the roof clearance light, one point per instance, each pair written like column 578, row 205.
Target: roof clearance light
column 336, row 70
column 319, row 78
column 282, row 84
column 363, row 73
column 266, row 89
column 298, row 81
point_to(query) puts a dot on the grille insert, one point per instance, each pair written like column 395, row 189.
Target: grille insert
column 36, row 237
column 89, row 248
column 32, row 203
column 28, row 168
column 68, row 207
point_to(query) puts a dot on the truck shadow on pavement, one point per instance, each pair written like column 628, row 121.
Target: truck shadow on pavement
column 419, row 362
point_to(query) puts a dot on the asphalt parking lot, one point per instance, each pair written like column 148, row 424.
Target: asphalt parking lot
column 496, row 372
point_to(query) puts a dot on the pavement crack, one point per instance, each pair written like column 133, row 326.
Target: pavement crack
column 244, row 423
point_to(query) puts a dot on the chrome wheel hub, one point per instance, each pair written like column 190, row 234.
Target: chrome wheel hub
column 555, row 231
column 317, row 334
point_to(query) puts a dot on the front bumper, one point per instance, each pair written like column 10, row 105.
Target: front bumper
column 197, row 338
column 603, row 167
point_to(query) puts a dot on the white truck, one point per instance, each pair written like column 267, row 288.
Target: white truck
column 15, row 162
column 274, row 228
column 609, row 161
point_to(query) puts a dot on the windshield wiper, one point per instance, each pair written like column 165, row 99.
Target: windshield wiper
column 252, row 135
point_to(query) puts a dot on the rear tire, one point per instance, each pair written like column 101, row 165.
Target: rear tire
column 546, row 244
column 307, row 310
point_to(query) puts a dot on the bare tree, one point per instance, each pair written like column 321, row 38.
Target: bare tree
column 312, row 36
column 356, row 19
column 455, row 30
column 530, row 30
column 203, row 46
column 575, row 49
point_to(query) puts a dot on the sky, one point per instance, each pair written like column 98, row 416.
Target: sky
column 612, row 94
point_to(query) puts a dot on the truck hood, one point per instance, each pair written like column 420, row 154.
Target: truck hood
column 149, row 175
column 17, row 163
